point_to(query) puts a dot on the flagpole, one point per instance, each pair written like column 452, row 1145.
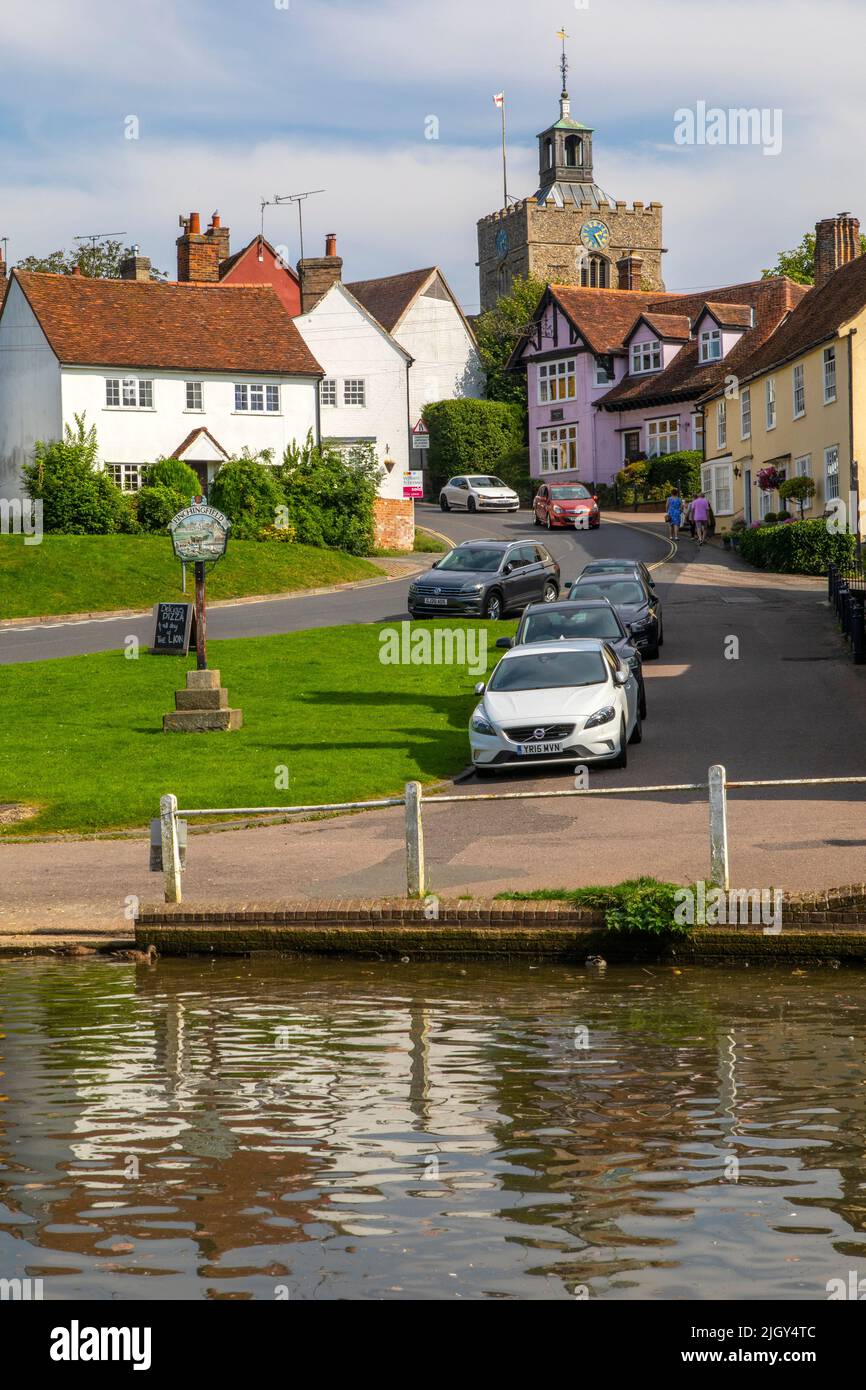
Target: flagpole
column 504, row 165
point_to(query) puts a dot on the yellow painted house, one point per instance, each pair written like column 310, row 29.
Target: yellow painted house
column 798, row 403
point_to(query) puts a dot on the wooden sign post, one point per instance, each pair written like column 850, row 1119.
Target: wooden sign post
column 200, row 617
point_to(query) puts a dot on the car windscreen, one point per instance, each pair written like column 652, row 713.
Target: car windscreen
column 618, row 591
column 569, row 494
column 549, row 671
column 482, row 481
column 472, row 559
column 553, row 626
column 609, row 567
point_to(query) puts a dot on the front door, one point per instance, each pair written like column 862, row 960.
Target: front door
column 747, row 496
column 200, row 471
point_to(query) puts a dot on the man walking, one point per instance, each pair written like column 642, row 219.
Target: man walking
column 674, row 514
column 700, row 510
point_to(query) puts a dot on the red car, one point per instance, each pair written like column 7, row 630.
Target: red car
column 565, row 504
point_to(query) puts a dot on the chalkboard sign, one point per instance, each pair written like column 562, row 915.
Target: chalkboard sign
column 173, row 628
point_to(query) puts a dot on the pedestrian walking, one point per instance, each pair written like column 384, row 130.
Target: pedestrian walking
column 674, row 514
column 701, row 513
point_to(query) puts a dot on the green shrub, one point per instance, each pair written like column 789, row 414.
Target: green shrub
column 799, row 489
column 796, row 547
column 769, row 518
column 783, row 515
column 157, row 505
column 248, row 491
column 640, row 906
column 175, row 475
column 513, row 469
column 330, row 496
column 681, row 470
column 77, row 498
column 739, row 524
column 470, row 436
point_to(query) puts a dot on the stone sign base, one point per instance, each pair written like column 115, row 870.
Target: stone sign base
column 202, row 708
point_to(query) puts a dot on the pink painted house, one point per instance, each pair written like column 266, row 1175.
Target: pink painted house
column 614, row 375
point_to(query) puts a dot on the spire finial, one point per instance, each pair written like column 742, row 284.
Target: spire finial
column 563, row 62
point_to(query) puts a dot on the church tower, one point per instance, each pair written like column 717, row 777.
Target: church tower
column 569, row 231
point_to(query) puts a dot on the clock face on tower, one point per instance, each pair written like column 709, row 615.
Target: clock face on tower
column 595, row 235
column 502, row 242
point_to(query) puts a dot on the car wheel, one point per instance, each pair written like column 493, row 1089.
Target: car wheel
column 493, row 606
column 642, row 701
column 535, row 517
column 637, row 731
column 621, row 759
column 471, row 505
column 661, row 636
column 651, row 653
column 551, row 592
column 548, row 523
column 443, row 502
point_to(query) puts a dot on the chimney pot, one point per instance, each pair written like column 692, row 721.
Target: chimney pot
column 331, row 244
column 215, row 219
column 194, row 224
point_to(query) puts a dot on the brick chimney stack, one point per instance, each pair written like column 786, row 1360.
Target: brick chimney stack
column 198, row 253
column 2, row 265
column 318, row 273
column 220, row 234
column 837, row 241
column 135, row 267
column 629, row 271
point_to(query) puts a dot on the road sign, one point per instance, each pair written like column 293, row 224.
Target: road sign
column 420, row 441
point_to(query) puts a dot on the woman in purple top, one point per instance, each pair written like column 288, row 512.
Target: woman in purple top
column 701, row 516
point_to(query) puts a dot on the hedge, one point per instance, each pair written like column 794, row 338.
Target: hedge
column 78, row 499
column 470, row 436
column 796, row 547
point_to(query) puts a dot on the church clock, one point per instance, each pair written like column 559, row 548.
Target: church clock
column 502, row 242
column 595, row 235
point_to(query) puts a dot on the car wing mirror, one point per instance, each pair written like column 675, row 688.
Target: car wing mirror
column 480, row 688
column 505, row 642
column 620, row 677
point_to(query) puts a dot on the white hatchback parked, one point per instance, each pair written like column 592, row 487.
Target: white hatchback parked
column 556, row 702
column 478, row 492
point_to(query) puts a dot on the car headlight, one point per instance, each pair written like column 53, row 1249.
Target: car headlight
column 471, row 588
column 557, row 509
column 601, row 716
column 634, row 662
column 479, row 724
column 641, row 623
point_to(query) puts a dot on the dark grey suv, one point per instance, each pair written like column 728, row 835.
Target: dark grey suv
column 486, row 579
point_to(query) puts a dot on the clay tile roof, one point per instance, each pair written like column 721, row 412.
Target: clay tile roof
column 173, row 327
column 200, row 433
column 388, row 299
column 676, row 326
column 605, row 317
column 818, row 317
column 730, row 315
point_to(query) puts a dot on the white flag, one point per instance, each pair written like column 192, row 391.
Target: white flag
column 499, row 99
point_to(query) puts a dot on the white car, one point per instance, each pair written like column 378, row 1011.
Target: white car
column 569, row 701
column 478, row 492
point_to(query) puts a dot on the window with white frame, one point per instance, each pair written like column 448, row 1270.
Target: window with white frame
column 129, row 393
column 194, row 399
column 711, row 345
column 766, row 503
column 328, row 390
column 698, row 430
column 127, row 476
column 717, row 482
column 745, row 413
column 603, row 371
column 770, row 402
column 802, row 469
column 354, row 391
column 831, row 472
column 256, row 398
column 829, row 375
column 557, row 381
column 799, row 385
column 663, row 436
column 558, row 448
column 722, row 425
column 646, row 357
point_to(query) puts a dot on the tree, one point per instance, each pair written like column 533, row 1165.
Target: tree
column 470, row 436
column 99, row 261
column 499, row 329
column 799, row 489
column 799, row 264
column 247, row 491
column 77, row 498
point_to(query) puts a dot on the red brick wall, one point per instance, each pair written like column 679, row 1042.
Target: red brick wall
column 394, row 523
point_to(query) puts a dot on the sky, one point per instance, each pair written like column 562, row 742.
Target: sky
column 236, row 100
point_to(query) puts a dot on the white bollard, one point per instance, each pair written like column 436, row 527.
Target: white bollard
column 415, row 875
column 170, row 849
column 719, row 869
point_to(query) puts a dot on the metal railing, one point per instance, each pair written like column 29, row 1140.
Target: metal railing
column 846, row 587
column 413, row 800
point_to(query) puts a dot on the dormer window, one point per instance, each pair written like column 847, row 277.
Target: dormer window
column 711, row 345
column 646, row 357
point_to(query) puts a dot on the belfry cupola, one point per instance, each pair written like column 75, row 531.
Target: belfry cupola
column 565, row 156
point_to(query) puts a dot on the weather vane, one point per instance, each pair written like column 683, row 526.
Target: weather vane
column 561, row 34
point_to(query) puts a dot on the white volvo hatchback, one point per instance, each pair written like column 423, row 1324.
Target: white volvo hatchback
column 556, row 702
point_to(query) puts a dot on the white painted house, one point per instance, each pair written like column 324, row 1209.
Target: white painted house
column 364, row 394
column 190, row 370
column 420, row 312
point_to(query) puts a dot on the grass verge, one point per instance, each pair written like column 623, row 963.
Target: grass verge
column 88, row 574
column 83, row 735
column 643, row 906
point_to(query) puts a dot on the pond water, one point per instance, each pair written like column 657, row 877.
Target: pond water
column 319, row 1130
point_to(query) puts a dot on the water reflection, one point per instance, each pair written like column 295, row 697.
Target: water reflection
column 239, row 1129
